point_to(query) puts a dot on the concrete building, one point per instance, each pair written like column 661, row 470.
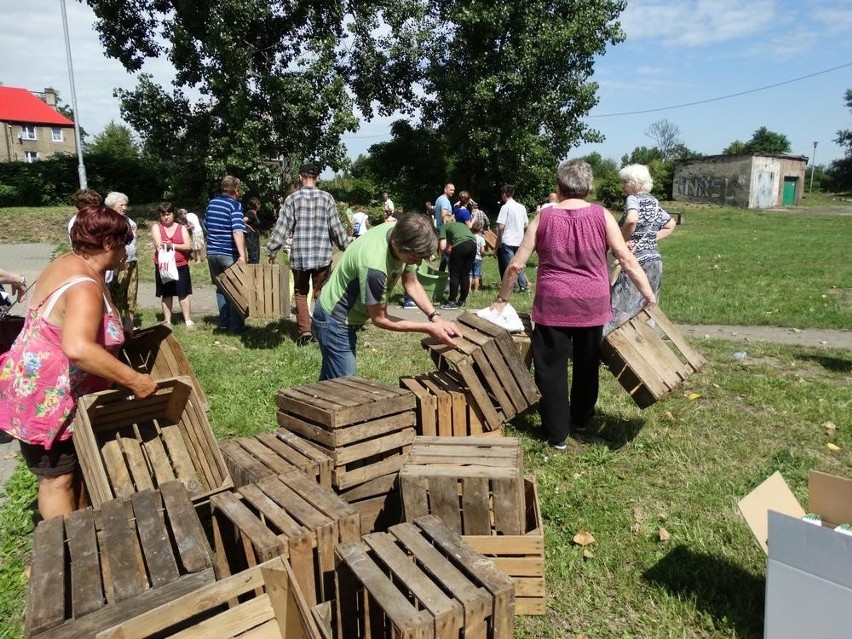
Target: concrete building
column 33, row 128
column 746, row 181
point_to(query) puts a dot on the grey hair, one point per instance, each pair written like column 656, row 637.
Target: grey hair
column 574, row 178
column 113, row 198
column 637, row 178
column 415, row 234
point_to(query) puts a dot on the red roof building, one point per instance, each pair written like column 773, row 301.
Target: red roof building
column 33, row 128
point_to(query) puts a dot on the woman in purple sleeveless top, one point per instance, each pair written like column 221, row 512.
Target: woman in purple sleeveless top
column 572, row 298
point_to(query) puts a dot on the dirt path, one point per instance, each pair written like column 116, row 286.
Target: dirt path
column 820, row 337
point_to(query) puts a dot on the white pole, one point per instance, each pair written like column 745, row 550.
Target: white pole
column 81, row 168
column 813, row 168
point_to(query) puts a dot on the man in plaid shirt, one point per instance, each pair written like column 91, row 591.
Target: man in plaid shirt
column 310, row 216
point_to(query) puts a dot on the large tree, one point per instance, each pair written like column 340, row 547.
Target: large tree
column 840, row 170
column 762, row 142
column 506, row 84
column 277, row 79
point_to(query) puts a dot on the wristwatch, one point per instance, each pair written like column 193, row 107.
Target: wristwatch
column 432, row 314
column 500, row 300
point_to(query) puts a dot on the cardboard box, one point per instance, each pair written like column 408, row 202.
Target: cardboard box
column 809, row 567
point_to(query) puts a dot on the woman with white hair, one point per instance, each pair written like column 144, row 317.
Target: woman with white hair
column 124, row 285
column 643, row 224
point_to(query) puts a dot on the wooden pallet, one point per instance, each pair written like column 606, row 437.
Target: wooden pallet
column 154, row 350
column 250, row 459
column 649, row 356
column 364, row 426
column 420, row 580
column 91, row 570
column 126, row 445
column 520, row 556
column 289, row 515
column 445, row 406
column 490, row 366
column 257, row 290
column 475, row 485
column 264, row 601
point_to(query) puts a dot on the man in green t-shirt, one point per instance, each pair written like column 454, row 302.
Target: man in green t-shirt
column 360, row 284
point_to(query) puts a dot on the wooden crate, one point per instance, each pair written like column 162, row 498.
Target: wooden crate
column 126, row 445
column 417, row 580
column 91, row 570
column 649, row 356
column 264, row 601
column 364, row 426
column 475, row 485
column 288, row 515
column 490, row 240
column 523, row 340
column 154, row 350
column 445, row 406
column 520, row 556
column 377, row 501
column 250, row 459
column 257, row 290
column 490, row 366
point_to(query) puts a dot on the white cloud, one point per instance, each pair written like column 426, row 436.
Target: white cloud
column 694, row 23
column 836, row 20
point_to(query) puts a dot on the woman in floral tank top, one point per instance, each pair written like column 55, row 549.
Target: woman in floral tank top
column 571, row 302
column 65, row 350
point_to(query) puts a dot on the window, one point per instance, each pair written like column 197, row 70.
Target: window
column 28, row 132
column 57, row 134
column 30, row 156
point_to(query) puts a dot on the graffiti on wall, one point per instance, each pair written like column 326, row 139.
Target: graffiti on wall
column 708, row 187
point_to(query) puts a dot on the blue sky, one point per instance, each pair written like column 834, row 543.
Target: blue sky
column 676, row 52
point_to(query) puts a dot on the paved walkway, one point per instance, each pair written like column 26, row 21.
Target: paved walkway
column 30, row 259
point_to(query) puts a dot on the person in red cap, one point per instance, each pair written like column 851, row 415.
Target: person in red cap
column 310, row 216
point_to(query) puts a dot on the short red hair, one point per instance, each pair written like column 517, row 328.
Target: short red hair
column 97, row 227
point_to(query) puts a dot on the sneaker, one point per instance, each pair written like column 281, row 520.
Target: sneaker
column 408, row 304
column 559, row 446
column 449, row 306
column 304, row 339
column 190, row 324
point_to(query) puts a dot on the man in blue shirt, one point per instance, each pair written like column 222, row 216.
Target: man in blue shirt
column 225, row 246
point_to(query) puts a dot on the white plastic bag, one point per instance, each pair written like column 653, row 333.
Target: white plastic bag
column 508, row 319
column 166, row 265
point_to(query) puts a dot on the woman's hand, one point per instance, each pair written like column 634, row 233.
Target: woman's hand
column 143, row 386
column 498, row 307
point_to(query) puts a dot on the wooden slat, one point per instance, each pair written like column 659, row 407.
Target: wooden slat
column 46, row 599
column 87, row 593
column 154, row 538
column 476, row 601
column 120, row 552
column 447, row 613
column 188, row 533
column 499, row 585
column 407, row 621
column 692, row 356
column 477, row 519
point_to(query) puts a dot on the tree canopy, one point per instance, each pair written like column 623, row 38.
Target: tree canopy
column 762, row 142
column 503, row 85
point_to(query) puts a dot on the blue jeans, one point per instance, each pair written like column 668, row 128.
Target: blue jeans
column 504, row 256
column 337, row 343
column 229, row 318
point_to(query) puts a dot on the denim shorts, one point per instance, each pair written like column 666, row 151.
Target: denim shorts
column 476, row 271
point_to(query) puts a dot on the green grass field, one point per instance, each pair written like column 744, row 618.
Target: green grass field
column 680, row 465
